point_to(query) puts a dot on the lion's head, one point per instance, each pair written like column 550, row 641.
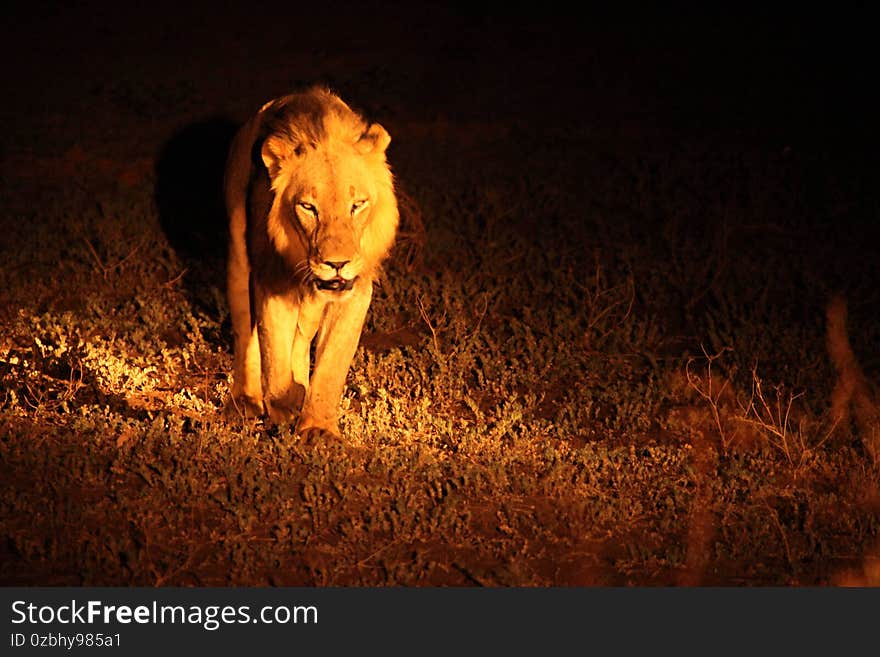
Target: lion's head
column 334, row 214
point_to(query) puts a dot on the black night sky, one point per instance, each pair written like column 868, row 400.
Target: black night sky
column 792, row 76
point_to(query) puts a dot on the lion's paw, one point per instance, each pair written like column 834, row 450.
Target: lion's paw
column 242, row 407
column 319, row 436
column 281, row 413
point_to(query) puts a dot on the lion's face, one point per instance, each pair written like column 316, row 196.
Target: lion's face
column 331, row 197
column 334, row 198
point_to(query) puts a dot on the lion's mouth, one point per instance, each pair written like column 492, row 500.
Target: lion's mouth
column 337, row 284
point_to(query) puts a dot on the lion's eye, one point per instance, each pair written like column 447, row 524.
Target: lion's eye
column 308, row 208
column 357, row 206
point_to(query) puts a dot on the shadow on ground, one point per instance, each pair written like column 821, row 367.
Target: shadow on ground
column 189, row 199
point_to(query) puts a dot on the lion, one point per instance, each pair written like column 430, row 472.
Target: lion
column 312, row 216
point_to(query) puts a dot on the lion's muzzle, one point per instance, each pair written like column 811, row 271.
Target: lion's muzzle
column 336, row 275
column 337, row 284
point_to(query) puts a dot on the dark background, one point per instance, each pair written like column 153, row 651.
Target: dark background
column 790, row 75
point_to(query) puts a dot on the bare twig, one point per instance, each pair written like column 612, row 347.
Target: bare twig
column 709, row 392
column 427, row 320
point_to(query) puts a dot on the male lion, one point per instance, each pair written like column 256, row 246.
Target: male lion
column 312, row 214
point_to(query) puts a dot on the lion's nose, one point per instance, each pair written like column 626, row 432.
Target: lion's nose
column 336, row 264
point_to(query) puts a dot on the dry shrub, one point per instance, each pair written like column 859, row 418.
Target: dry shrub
column 411, row 237
column 712, row 406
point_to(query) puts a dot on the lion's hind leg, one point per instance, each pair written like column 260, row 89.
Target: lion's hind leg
column 247, row 395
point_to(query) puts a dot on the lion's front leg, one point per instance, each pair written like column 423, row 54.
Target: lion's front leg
column 338, row 339
column 276, row 326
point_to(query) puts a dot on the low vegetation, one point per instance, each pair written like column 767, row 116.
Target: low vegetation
column 588, row 363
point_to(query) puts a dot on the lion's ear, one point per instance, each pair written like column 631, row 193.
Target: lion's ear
column 374, row 140
column 275, row 151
